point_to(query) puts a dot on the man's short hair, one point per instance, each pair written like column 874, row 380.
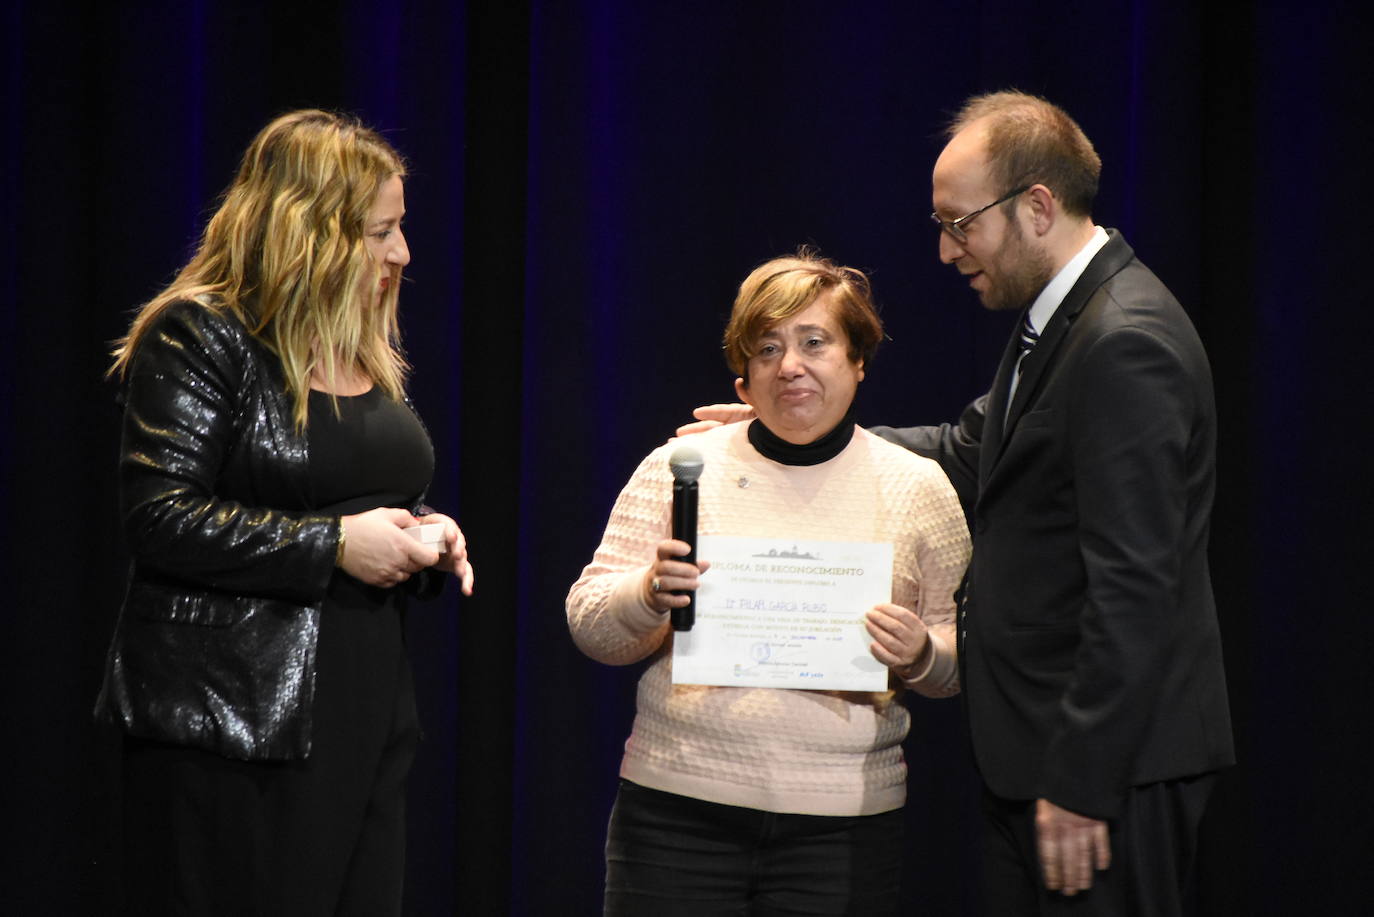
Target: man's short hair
column 1033, row 141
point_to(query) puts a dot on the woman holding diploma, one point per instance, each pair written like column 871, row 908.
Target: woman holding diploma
column 749, row 800
column 270, row 467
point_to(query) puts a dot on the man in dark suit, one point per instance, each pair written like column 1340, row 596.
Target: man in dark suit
column 1091, row 659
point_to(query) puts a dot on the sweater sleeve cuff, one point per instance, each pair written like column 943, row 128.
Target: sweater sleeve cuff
column 627, row 598
column 941, row 666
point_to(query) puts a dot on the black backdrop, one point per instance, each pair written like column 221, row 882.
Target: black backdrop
column 590, row 180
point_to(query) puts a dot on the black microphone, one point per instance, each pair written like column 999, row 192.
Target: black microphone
column 686, row 465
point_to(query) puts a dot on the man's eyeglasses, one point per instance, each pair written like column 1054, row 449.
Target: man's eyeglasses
column 956, row 227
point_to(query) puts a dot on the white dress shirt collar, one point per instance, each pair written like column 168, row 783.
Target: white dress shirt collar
column 1045, row 305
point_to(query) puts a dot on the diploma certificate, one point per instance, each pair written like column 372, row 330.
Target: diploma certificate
column 775, row 613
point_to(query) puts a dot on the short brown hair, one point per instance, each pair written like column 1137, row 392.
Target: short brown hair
column 778, row 289
column 1031, row 140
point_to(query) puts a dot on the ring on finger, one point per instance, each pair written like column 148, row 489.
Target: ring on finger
column 655, row 585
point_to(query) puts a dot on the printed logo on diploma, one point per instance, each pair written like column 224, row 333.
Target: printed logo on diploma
column 783, row 613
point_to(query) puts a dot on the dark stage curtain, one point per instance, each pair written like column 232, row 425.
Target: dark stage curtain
column 589, row 183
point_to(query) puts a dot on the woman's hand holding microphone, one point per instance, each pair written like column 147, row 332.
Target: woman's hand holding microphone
column 667, row 574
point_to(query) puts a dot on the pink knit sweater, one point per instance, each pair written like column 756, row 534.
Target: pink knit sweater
column 808, row 752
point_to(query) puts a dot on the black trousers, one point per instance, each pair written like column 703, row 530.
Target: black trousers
column 675, row 856
column 1154, row 846
column 206, row 835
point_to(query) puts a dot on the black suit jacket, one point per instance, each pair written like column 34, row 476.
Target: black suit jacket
column 1089, row 645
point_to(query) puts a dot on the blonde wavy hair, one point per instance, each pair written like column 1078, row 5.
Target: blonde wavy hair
column 285, row 253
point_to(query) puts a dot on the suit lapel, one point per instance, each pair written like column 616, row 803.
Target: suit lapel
column 993, row 426
column 1112, row 258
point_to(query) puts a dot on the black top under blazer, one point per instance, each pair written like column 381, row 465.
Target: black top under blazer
column 1089, row 649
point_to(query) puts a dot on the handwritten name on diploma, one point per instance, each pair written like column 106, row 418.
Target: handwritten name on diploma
column 785, row 613
column 765, row 605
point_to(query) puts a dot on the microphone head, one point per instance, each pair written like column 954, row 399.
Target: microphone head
column 685, row 463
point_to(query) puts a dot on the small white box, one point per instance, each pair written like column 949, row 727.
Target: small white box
column 430, row 534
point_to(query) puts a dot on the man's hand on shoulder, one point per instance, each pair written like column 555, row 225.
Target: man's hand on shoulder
column 710, row 416
column 1071, row 846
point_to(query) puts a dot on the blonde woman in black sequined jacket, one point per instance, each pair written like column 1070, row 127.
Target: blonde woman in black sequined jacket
column 270, row 464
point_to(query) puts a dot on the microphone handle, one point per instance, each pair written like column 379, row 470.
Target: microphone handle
column 685, row 529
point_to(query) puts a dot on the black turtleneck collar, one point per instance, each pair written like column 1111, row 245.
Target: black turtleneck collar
column 771, row 446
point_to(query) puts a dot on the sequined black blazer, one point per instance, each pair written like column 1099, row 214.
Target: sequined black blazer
column 215, row 643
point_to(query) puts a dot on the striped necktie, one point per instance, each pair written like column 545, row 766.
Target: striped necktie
column 1029, row 337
